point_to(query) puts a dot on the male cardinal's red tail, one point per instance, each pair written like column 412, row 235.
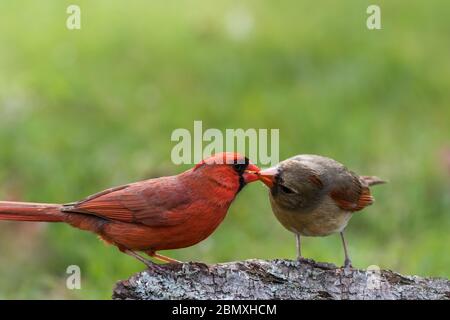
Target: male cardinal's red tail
column 24, row 211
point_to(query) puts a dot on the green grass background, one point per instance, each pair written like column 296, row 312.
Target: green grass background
column 84, row 110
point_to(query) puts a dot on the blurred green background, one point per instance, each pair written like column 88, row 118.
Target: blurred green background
column 87, row 109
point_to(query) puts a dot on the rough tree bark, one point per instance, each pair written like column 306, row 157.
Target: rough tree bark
column 277, row 279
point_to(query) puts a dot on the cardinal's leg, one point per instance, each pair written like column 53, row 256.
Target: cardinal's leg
column 299, row 249
column 161, row 257
column 148, row 263
column 347, row 262
column 321, row 265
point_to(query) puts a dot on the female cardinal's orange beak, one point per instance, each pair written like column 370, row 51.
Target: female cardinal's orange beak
column 267, row 176
column 251, row 173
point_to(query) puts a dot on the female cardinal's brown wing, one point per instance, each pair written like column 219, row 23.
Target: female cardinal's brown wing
column 350, row 193
column 155, row 202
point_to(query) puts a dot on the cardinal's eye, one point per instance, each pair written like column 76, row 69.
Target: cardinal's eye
column 286, row 189
column 240, row 167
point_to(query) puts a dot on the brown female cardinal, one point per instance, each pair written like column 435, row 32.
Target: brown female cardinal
column 157, row 214
column 315, row 196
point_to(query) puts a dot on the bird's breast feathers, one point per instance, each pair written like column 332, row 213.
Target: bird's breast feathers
column 325, row 219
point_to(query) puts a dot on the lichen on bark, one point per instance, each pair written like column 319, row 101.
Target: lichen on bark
column 276, row 279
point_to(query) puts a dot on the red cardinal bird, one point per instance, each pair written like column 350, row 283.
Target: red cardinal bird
column 157, row 214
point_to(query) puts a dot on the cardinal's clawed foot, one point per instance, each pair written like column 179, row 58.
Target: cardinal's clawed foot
column 348, row 263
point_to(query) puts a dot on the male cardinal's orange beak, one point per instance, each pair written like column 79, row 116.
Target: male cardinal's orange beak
column 251, row 173
column 267, row 176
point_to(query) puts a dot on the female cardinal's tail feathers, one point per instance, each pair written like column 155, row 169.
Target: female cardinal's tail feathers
column 24, row 211
column 372, row 180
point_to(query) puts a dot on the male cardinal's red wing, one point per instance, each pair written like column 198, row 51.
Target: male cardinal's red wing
column 350, row 194
column 157, row 202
